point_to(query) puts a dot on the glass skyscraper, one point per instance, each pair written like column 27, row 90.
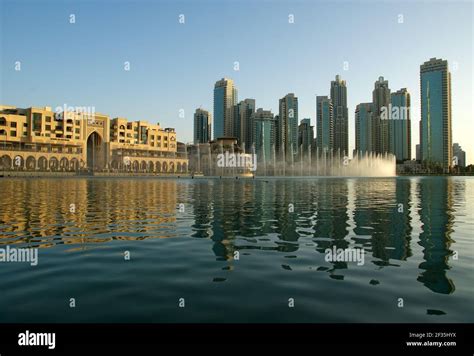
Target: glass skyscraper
column 381, row 99
column 341, row 115
column 400, row 125
column 364, row 129
column 225, row 97
column 264, row 134
column 305, row 135
column 436, row 148
column 202, row 126
column 324, row 123
column 288, row 125
column 243, row 127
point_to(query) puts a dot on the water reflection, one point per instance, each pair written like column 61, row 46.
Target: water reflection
column 437, row 216
column 277, row 215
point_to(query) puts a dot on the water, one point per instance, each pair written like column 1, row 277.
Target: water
column 189, row 254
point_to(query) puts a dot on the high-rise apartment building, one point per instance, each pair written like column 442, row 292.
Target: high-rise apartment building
column 381, row 99
column 400, row 125
column 436, row 146
column 243, row 127
column 305, row 135
column 264, row 127
column 324, row 123
column 225, row 98
column 341, row 115
column 202, row 126
column 364, row 129
column 288, row 125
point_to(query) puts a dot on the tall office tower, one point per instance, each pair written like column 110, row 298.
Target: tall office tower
column 264, row 130
column 459, row 155
column 400, row 125
column 288, row 125
column 381, row 100
column 202, row 126
column 324, row 123
column 243, row 127
column 225, row 97
column 341, row 115
column 417, row 152
column 436, row 146
column 305, row 135
column 364, row 129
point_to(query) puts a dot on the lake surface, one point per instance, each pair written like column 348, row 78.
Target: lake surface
column 182, row 236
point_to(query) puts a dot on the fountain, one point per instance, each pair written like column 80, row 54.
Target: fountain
column 321, row 162
column 309, row 160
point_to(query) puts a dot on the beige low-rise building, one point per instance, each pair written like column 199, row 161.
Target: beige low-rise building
column 40, row 139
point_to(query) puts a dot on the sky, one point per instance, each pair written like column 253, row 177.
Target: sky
column 173, row 66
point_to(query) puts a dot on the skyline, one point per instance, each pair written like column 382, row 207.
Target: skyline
column 158, row 86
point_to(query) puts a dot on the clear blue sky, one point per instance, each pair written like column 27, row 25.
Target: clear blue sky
column 174, row 66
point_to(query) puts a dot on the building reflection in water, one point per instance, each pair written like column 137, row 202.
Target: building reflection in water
column 436, row 215
column 48, row 212
column 379, row 215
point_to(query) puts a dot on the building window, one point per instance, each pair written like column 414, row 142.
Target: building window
column 78, row 123
column 37, row 121
column 12, row 124
column 48, row 127
column 78, row 130
column 13, row 133
column 48, row 118
column 77, row 137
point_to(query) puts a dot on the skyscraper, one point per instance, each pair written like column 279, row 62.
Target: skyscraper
column 225, row 97
column 341, row 115
column 324, row 123
column 243, row 127
column 305, row 135
column 436, row 146
column 264, row 126
column 364, row 129
column 288, row 125
column 459, row 156
column 381, row 99
column 400, row 125
column 202, row 126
